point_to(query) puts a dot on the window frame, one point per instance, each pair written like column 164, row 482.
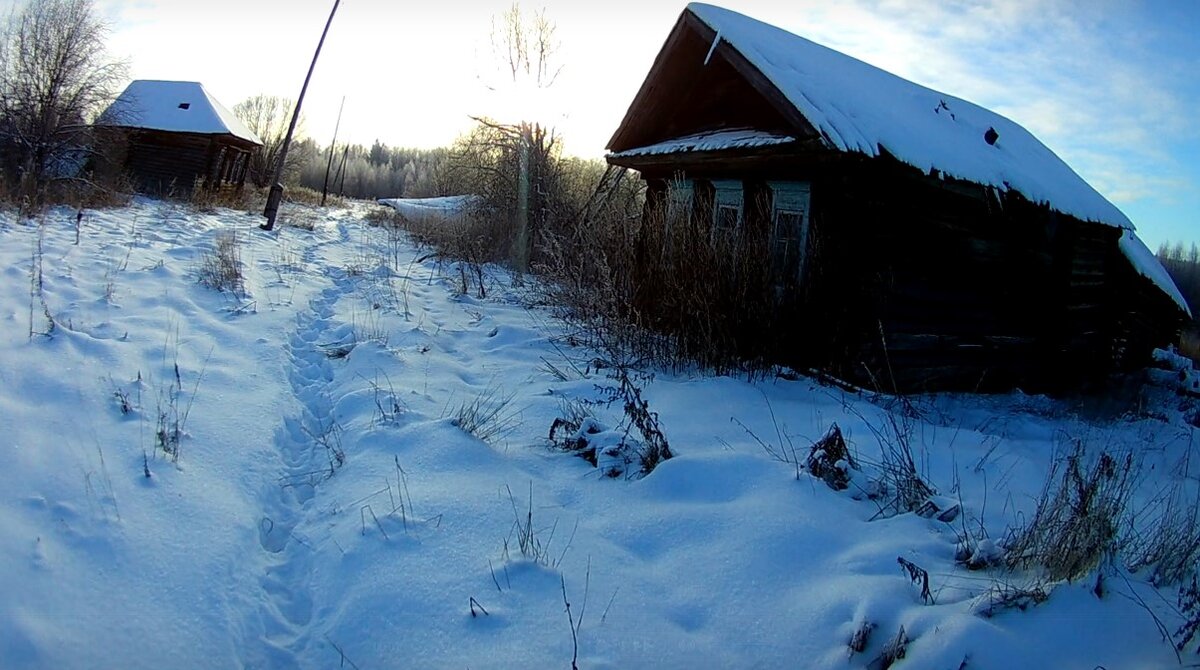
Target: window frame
column 791, row 198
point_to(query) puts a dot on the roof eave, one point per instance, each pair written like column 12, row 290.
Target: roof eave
column 799, row 126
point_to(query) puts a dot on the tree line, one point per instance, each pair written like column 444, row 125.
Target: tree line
column 1183, row 264
column 378, row 171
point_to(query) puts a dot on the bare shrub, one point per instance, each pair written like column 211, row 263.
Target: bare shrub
column 663, row 287
column 221, row 267
column 54, row 78
column 654, row 448
column 463, row 243
column 1077, row 524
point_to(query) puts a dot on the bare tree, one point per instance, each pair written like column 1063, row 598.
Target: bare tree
column 512, row 162
column 54, row 78
column 268, row 117
column 525, row 46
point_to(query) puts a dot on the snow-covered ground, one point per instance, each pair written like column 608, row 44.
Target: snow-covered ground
column 323, row 507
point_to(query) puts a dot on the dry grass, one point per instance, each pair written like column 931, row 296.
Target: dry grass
column 221, row 267
column 488, row 416
column 307, row 196
column 1078, row 522
column 206, row 199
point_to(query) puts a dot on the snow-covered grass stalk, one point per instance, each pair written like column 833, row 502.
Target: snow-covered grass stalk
column 171, row 423
column 328, row 436
column 529, row 540
column 1168, row 542
column 388, row 406
column 488, row 416
column 900, row 486
column 37, row 288
column 366, row 326
column 1079, row 519
column 221, row 268
column 781, row 448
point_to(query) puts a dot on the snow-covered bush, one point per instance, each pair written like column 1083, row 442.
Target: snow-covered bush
column 616, row 452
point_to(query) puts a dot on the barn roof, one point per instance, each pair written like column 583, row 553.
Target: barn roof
column 856, row 107
column 174, row 106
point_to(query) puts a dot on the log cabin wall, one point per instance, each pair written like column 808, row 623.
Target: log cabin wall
column 918, row 282
column 175, row 163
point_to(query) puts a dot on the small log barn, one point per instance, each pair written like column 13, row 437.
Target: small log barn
column 177, row 137
column 918, row 241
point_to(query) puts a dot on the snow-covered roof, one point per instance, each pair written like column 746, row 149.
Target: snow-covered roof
column 1147, row 265
column 710, row 141
column 177, row 106
column 859, row 107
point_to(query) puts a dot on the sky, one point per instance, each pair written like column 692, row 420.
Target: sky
column 1112, row 86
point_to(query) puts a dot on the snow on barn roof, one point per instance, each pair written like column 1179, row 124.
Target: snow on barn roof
column 710, row 141
column 859, row 107
column 176, row 106
column 1147, row 265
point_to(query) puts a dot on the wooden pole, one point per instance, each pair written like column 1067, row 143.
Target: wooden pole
column 329, row 165
column 341, row 173
column 276, row 194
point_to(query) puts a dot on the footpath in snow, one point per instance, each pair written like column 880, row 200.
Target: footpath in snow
column 285, row 474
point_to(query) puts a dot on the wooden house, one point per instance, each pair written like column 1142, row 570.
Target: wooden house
column 917, row 241
column 177, row 136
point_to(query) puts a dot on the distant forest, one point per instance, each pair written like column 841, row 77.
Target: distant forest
column 1183, row 264
column 376, row 172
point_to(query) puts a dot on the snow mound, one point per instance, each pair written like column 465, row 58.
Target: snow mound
column 446, row 206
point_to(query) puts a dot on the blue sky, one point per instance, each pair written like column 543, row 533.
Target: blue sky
column 1112, row 86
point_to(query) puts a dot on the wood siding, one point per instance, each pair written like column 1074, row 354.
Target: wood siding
column 175, row 163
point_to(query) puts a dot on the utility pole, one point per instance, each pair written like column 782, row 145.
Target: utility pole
column 341, row 173
column 276, row 193
column 329, row 165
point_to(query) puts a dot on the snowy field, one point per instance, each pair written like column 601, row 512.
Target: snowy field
column 277, row 476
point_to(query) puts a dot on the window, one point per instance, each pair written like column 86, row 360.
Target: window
column 679, row 200
column 728, row 207
column 789, row 228
column 185, row 105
